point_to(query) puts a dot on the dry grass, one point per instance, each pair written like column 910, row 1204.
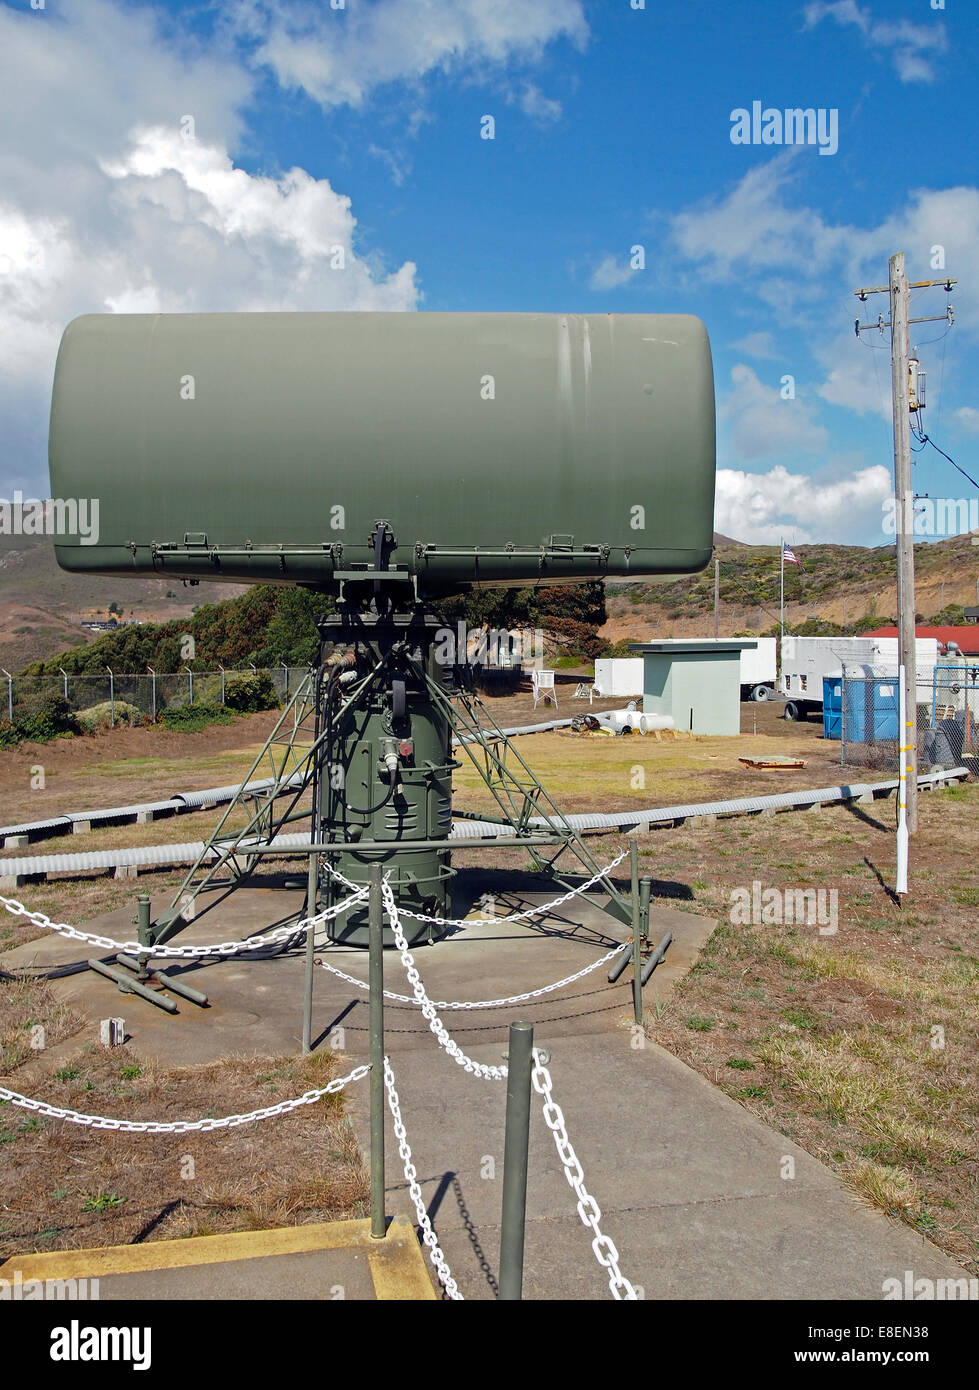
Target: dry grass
column 25, row 1005
column 862, row 1046
column 67, row 1187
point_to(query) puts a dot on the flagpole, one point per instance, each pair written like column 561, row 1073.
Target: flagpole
column 781, row 590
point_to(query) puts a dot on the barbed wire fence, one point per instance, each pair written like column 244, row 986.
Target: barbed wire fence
column 147, row 693
column 588, row 1210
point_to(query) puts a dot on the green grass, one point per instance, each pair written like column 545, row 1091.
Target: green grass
column 103, row 1202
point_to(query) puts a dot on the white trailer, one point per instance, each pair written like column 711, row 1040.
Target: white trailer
column 620, row 675
column 806, row 660
column 758, row 668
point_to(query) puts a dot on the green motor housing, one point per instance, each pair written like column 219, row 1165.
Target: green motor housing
column 387, row 774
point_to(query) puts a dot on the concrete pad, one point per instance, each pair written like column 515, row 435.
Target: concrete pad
column 255, row 1000
column 328, row 1260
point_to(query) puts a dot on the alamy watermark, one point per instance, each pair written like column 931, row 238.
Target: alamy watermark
column 50, row 516
column 17, row 1289
column 758, row 906
column 488, row 646
column 930, row 516
column 794, row 126
column 963, row 1289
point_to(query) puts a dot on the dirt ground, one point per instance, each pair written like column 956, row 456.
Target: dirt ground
column 67, row 1187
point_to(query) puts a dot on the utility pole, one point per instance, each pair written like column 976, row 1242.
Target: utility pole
column 717, row 592
column 906, row 644
column 897, row 289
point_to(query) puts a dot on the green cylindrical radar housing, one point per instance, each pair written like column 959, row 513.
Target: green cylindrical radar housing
column 501, row 448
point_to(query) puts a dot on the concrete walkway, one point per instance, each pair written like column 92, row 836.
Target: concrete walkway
column 693, row 1188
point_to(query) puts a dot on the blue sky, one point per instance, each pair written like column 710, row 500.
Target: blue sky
column 359, row 126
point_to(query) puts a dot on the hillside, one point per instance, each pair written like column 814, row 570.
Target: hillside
column 42, row 606
column 837, row 584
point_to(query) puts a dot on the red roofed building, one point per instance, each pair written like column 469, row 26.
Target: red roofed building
column 966, row 638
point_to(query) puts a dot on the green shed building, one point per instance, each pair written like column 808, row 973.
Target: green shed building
column 698, row 684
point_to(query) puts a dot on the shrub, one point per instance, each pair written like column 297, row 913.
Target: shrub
column 192, row 718
column 48, row 717
column 245, row 694
column 100, row 716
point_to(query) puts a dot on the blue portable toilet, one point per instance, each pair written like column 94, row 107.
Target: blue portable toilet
column 871, row 707
column 833, row 705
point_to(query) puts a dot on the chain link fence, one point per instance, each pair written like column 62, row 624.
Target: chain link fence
column 126, row 694
column 863, row 710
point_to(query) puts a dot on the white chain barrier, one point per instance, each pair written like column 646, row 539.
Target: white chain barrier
column 588, row 1209
column 168, row 952
column 427, row 1007
column 478, row 1003
column 56, row 1112
column 495, row 921
column 411, row 1177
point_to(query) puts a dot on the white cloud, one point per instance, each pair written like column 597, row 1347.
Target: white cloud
column 610, row 274
column 858, row 374
column 338, row 57
column 753, row 226
column 536, row 105
column 967, row 417
column 258, row 242
column 913, row 48
column 757, row 345
column 105, row 207
column 763, row 424
column 791, row 258
column 761, row 508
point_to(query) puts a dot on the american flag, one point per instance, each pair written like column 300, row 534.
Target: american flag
column 788, row 555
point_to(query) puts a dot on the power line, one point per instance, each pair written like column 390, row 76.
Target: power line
column 926, row 440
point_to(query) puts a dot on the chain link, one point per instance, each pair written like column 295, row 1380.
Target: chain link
column 411, row 1177
column 168, row 952
column 56, row 1112
column 496, row 921
column 477, row 1003
column 588, row 1209
column 439, row 1029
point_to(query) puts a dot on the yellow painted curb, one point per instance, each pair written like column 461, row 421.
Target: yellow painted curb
column 396, row 1263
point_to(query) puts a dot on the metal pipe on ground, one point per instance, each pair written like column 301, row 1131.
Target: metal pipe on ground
column 656, row 958
column 129, row 986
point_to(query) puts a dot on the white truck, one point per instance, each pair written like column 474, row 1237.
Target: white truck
column 806, row 660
